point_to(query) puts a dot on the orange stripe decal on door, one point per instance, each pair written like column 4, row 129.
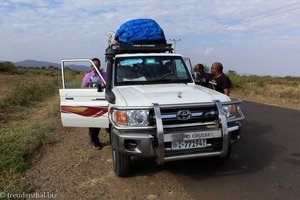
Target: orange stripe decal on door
column 85, row 110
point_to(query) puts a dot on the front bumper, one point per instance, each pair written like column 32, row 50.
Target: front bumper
column 145, row 144
column 152, row 142
column 136, row 143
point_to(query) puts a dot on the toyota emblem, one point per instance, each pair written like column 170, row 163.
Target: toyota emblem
column 183, row 115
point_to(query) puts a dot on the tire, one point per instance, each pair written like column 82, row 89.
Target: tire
column 121, row 162
column 109, row 133
column 109, row 138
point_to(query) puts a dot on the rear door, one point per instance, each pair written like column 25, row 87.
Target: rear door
column 81, row 107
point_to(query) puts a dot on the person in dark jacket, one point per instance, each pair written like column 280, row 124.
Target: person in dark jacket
column 201, row 77
column 220, row 82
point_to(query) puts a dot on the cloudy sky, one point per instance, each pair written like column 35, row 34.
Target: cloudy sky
column 250, row 37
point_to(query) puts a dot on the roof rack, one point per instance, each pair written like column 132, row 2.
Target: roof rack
column 138, row 48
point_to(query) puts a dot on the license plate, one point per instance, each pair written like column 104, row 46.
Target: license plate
column 192, row 135
column 189, row 144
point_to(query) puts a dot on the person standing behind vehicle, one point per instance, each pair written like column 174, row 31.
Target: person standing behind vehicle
column 201, row 77
column 220, row 82
column 93, row 80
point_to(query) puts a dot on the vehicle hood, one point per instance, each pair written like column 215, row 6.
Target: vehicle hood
column 146, row 95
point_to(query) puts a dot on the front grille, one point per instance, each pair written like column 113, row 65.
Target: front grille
column 200, row 118
column 198, row 115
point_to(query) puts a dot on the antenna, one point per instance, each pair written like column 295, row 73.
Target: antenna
column 174, row 42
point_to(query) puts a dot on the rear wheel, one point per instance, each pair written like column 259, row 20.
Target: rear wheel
column 121, row 162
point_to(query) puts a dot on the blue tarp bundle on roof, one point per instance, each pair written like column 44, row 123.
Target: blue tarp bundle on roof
column 140, row 31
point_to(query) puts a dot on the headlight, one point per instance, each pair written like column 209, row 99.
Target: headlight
column 227, row 110
column 232, row 111
column 131, row 117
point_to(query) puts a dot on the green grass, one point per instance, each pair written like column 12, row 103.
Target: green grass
column 73, row 79
column 27, row 93
column 19, row 140
column 28, row 115
column 283, row 91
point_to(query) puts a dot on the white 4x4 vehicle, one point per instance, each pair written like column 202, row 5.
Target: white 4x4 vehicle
column 153, row 108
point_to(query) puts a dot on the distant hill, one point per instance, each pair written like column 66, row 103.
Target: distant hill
column 35, row 63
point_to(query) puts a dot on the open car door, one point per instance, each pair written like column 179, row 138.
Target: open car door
column 81, row 107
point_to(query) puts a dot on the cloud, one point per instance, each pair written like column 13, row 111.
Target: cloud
column 208, row 51
column 191, row 17
column 52, row 29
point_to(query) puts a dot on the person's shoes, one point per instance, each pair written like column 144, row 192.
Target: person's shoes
column 96, row 146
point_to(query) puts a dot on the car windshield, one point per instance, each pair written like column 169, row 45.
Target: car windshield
column 151, row 70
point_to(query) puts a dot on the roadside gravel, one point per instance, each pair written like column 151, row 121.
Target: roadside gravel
column 68, row 168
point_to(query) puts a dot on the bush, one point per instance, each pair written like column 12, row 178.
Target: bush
column 238, row 82
column 27, row 93
column 7, row 67
column 261, row 83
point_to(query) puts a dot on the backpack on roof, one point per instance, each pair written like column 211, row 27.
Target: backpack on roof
column 140, row 31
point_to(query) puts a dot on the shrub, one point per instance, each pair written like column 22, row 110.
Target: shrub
column 238, row 82
column 7, row 67
column 26, row 93
column 261, row 83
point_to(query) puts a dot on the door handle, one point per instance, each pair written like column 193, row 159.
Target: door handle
column 98, row 99
column 69, row 98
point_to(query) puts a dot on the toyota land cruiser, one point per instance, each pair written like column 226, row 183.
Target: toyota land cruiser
column 152, row 108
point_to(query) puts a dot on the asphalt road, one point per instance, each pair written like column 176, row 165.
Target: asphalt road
column 265, row 164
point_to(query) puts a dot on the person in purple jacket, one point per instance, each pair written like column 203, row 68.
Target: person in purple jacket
column 93, row 80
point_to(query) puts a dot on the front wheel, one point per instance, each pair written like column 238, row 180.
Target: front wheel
column 121, row 162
